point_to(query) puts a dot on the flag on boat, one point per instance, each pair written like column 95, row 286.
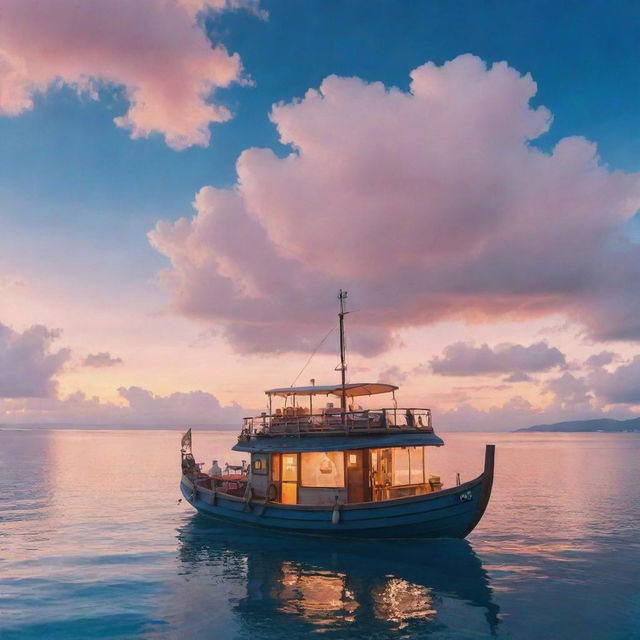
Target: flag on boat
column 186, row 440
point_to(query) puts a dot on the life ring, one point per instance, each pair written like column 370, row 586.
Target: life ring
column 272, row 492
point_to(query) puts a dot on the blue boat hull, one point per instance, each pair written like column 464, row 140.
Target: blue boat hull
column 450, row 513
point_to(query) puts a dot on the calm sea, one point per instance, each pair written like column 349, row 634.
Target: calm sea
column 94, row 543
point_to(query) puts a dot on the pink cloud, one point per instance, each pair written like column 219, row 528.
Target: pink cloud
column 598, row 360
column 141, row 407
column 196, row 6
column 152, row 48
column 621, row 386
column 27, row 364
column 427, row 205
column 101, row 360
column 463, row 359
column 570, row 391
column 571, row 403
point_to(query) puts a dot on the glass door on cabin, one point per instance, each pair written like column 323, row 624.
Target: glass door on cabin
column 380, row 473
column 357, row 484
column 289, row 490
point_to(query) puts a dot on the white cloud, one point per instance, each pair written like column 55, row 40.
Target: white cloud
column 27, row 364
column 427, row 205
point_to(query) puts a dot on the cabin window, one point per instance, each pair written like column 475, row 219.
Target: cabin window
column 416, row 465
column 260, row 464
column 322, row 469
column 400, row 457
column 398, row 466
column 289, row 467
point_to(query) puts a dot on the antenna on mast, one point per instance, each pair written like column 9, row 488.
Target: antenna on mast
column 342, row 296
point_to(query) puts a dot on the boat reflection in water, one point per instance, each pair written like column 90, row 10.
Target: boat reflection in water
column 361, row 589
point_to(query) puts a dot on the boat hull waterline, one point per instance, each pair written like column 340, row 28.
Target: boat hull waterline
column 448, row 513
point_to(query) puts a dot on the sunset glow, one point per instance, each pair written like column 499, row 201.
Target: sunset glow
column 182, row 199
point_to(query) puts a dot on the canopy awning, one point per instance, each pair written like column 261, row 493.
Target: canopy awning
column 351, row 390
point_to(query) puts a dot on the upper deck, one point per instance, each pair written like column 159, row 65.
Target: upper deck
column 294, row 420
column 299, row 422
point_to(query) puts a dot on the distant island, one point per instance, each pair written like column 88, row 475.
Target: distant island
column 602, row 424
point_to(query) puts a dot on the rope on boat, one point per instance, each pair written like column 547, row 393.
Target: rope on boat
column 311, row 356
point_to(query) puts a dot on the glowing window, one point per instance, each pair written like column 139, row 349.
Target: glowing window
column 290, row 467
column 323, row 469
column 416, row 465
column 400, row 465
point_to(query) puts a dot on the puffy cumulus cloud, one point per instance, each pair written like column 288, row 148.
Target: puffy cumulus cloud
column 515, row 413
column 621, row 386
column 27, row 364
column 152, row 48
column 140, row 407
column 101, row 360
column 464, row 359
column 227, row 269
column 570, row 392
column 196, row 407
column 433, row 202
column 601, row 359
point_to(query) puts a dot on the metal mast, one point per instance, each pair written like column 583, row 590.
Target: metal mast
column 342, row 296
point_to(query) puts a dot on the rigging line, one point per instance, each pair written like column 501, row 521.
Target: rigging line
column 313, row 354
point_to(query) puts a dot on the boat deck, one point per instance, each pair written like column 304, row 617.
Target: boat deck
column 298, row 421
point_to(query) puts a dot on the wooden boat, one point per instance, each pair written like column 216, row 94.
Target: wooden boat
column 339, row 471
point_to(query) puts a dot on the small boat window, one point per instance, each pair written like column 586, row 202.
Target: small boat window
column 260, row 464
column 323, row 469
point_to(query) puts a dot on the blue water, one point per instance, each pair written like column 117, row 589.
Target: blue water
column 95, row 544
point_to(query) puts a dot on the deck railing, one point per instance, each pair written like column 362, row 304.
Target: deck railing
column 335, row 422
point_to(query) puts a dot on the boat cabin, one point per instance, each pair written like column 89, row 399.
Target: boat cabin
column 308, row 451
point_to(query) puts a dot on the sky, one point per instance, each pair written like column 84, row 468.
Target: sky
column 185, row 185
